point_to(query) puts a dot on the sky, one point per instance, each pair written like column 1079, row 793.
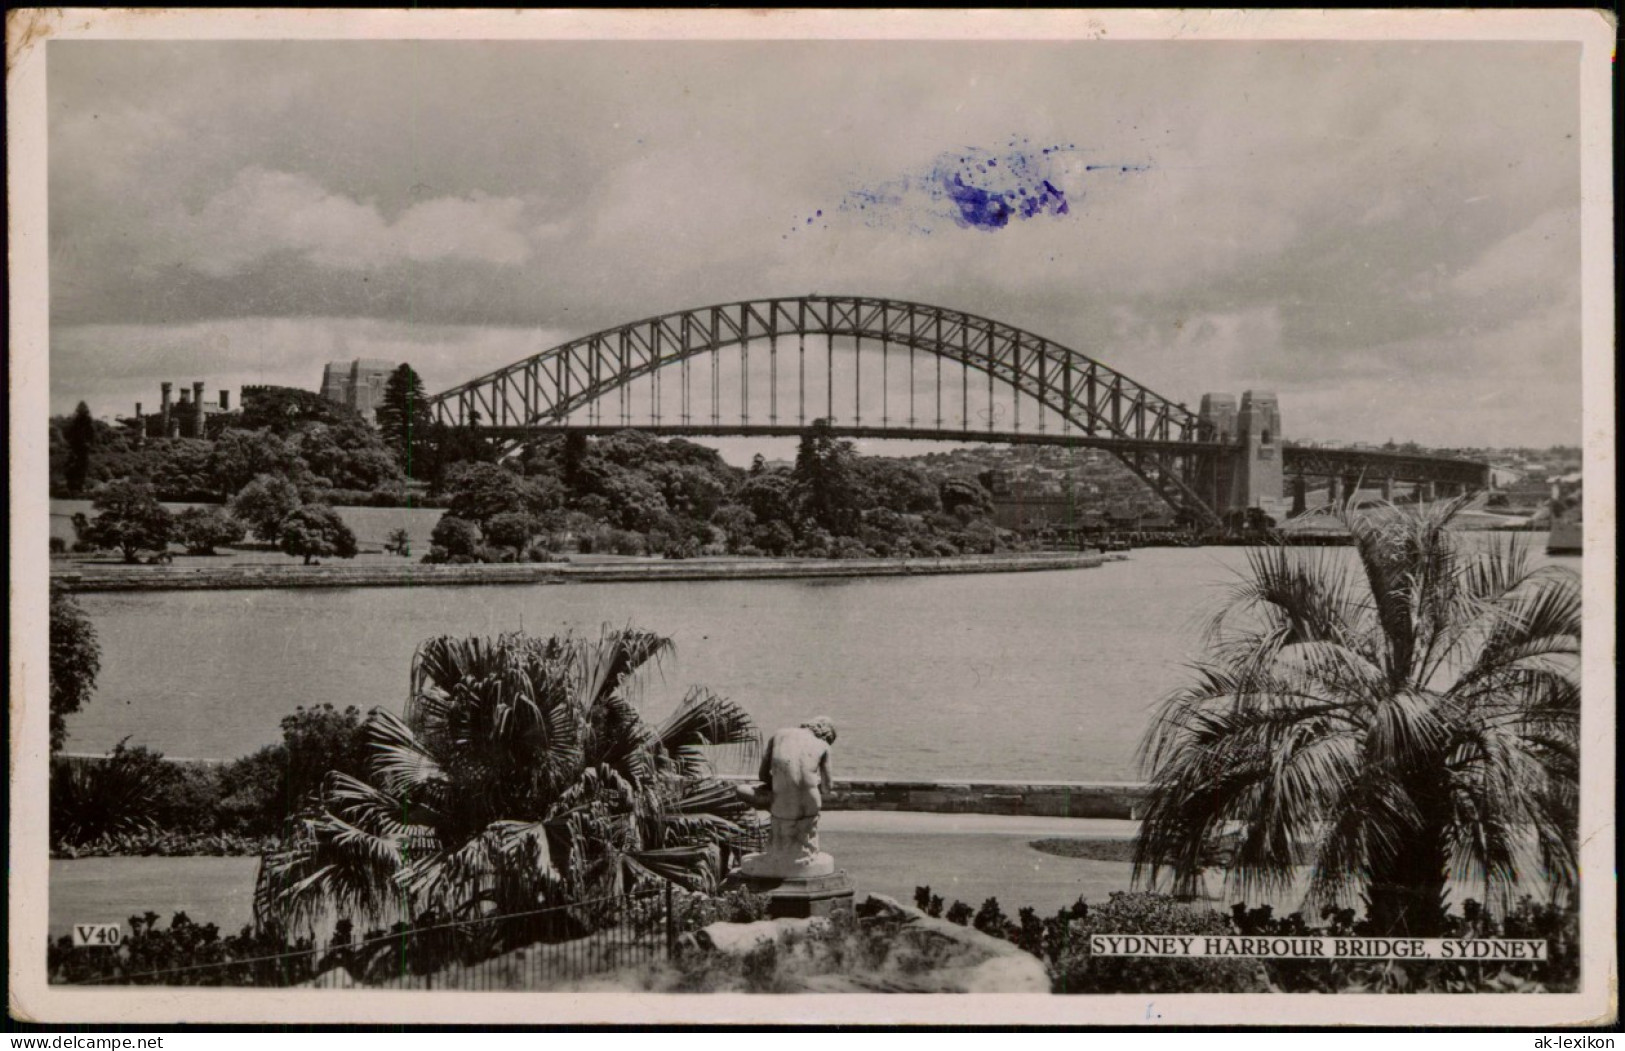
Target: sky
column 1384, row 234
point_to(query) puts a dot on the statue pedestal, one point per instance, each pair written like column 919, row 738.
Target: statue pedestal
column 799, row 897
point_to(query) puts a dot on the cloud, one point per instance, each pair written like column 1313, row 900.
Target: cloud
column 1291, row 213
column 264, row 213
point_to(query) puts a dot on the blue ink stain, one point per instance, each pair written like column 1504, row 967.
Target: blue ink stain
column 980, row 189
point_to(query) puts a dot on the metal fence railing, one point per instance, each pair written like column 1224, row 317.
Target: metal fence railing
column 529, row 950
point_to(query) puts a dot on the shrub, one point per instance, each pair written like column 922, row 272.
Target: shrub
column 455, row 536
column 847, row 547
column 59, row 546
column 607, row 540
column 399, row 542
column 1558, row 927
column 181, row 954
column 512, row 529
column 316, row 531
column 111, row 796
column 261, row 792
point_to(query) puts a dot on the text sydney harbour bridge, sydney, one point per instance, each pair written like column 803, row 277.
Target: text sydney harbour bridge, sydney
column 934, row 374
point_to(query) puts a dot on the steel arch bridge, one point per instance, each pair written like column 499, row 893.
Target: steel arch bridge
column 1072, row 399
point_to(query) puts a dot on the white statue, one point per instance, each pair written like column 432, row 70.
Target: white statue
column 795, row 773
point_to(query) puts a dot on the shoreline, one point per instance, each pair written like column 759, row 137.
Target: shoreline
column 416, row 574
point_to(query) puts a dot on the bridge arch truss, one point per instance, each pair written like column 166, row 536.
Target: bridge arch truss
column 1158, row 439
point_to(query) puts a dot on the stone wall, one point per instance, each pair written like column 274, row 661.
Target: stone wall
column 414, row 574
column 1103, row 799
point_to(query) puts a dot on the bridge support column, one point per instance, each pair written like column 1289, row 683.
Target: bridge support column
column 1300, row 495
column 1388, row 489
column 1250, row 476
column 1427, row 492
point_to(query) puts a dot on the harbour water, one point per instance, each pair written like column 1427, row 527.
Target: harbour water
column 1039, row 676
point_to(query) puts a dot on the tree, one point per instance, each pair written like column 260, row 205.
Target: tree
column 403, row 419
column 265, row 503
column 964, row 498
column 263, row 793
column 898, row 485
column 769, row 495
column 399, row 542
column 180, row 469
column 131, row 520
column 825, row 481
column 316, row 531
column 201, row 529
column 81, row 437
column 520, row 775
column 76, row 659
column 347, row 454
column 455, row 536
column 512, row 529
column 281, row 409
column 1392, row 717
column 481, row 491
column 239, row 456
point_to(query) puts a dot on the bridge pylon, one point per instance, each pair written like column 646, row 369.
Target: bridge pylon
column 1248, row 472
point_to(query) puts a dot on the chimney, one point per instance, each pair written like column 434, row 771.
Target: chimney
column 202, row 413
column 163, row 413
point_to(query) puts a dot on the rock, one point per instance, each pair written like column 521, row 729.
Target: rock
column 964, row 960
column 1016, row 972
column 885, row 909
column 739, row 938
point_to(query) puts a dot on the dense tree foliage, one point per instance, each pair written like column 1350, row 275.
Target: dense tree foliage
column 513, row 529
column 240, row 456
column 283, row 409
column 453, row 538
column 825, row 480
column 628, row 493
column 76, row 659
column 479, row 492
column 265, row 503
column 316, row 531
column 1393, row 719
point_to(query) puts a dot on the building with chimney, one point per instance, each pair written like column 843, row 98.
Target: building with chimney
column 185, row 417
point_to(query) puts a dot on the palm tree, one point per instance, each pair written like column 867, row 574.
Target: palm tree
column 1394, row 719
column 521, row 776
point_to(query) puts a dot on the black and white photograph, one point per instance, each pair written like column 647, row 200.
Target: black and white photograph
column 586, row 517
